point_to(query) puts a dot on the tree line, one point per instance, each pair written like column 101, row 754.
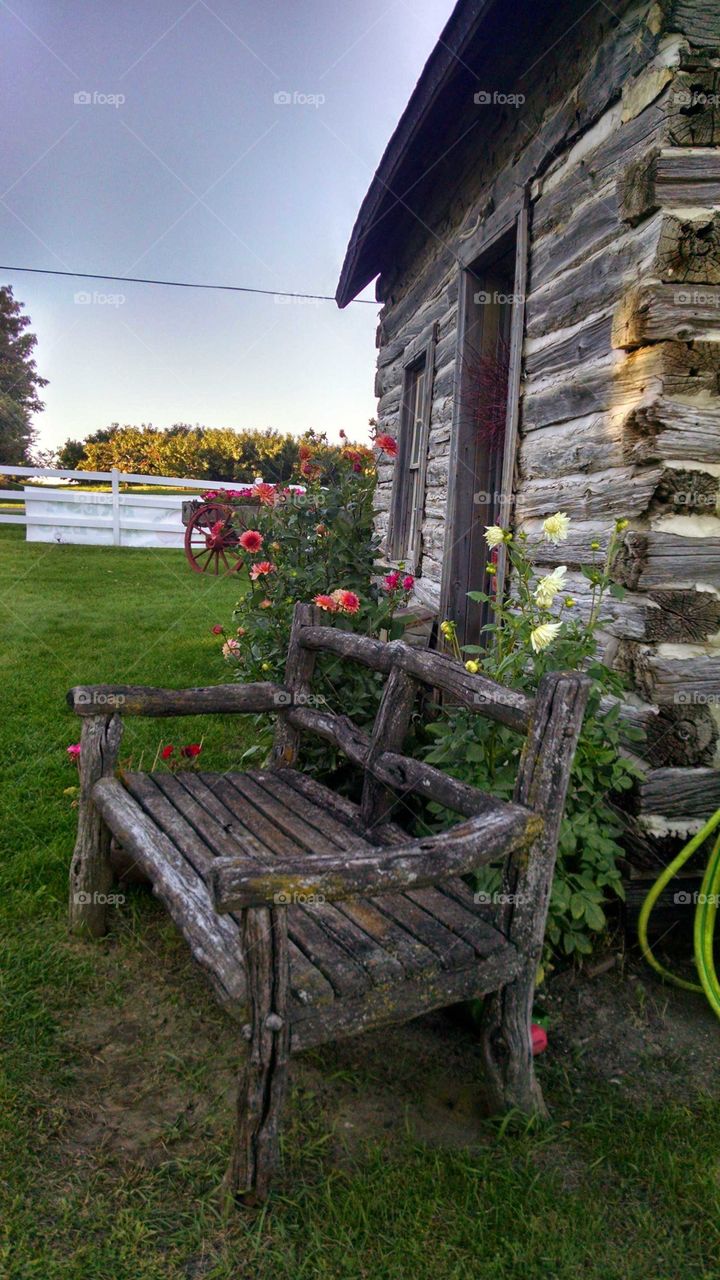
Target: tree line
column 183, row 450
column 213, row 453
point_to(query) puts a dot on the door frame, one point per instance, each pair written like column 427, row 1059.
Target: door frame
column 461, row 485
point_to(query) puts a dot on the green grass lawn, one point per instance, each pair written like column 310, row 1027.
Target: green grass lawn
column 118, row 1070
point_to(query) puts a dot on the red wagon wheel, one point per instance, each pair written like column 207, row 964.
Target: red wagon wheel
column 212, row 539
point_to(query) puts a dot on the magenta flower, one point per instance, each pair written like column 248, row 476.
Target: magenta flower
column 74, row 751
column 408, row 582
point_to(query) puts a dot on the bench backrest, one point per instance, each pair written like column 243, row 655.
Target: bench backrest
column 379, row 753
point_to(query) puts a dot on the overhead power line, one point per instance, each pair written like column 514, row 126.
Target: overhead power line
column 183, row 284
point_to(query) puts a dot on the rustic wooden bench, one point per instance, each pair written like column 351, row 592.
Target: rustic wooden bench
column 315, row 918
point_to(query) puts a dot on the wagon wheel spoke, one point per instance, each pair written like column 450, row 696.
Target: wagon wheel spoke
column 211, row 534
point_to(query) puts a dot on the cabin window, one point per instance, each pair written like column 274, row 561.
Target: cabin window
column 490, row 329
column 408, row 501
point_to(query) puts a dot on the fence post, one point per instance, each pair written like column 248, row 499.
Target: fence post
column 115, row 482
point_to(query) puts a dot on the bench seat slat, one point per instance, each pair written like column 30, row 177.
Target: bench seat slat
column 353, row 964
column 335, row 968
column 380, row 965
column 394, row 921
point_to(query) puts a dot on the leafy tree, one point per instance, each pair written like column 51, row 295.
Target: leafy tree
column 72, row 453
column 19, row 381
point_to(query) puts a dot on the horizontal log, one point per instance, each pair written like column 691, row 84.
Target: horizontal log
column 621, row 492
column 679, row 734
column 139, row 700
column 658, row 559
column 585, row 445
column 621, row 380
column 593, row 223
column 688, row 249
column 692, row 109
column 661, row 312
column 670, row 430
column 667, row 178
column 238, row 884
column 679, row 793
column 564, row 192
column 563, row 352
column 595, row 282
column 685, row 682
column 644, row 560
column 698, row 20
column 682, row 617
column 438, row 670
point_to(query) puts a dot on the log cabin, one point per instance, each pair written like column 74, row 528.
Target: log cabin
column 544, row 233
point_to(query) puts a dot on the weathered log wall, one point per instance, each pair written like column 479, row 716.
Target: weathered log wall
column 618, row 143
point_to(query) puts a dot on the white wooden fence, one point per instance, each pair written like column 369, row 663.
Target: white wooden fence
column 114, row 518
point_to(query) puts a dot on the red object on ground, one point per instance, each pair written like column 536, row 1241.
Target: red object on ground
column 539, row 1039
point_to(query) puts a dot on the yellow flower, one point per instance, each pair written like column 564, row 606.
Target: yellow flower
column 472, row 667
column 594, row 546
column 544, row 635
column 548, row 587
column 447, row 629
column 555, row 528
column 621, row 524
column 491, row 568
column 494, row 535
column 569, row 602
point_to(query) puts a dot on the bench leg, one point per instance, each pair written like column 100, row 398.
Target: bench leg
column 541, row 785
column 263, row 1083
column 507, row 1047
column 90, row 871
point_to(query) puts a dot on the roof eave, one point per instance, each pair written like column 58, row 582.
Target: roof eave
column 460, row 29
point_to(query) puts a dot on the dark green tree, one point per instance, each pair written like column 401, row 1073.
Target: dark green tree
column 19, row 381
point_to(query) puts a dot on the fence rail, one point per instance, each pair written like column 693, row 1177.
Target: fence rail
column 90, row 517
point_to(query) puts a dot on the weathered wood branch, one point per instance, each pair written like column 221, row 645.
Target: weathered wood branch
column 541, row 785
column 299, row 668
column 391, row 726
column 90, row 870
column 331, row 877
column 437, row 670
column 399, row 772
column 263, row 1083
column 137, row 700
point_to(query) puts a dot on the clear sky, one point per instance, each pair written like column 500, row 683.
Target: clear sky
column 198, row 174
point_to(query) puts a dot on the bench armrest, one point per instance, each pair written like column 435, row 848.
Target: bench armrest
column 137, row 700
column 238, row 883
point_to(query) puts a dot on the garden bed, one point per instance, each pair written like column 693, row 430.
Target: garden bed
column 117, row 1090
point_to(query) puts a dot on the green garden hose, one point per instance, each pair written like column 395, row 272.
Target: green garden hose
column 705, row 917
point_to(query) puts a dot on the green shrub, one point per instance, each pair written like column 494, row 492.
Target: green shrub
column 319, row 547
column 535, row 630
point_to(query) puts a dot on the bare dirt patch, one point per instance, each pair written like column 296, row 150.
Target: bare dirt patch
column 155, row 1061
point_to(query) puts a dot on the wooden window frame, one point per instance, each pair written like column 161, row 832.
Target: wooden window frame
column 407, row 509
column 517, row 225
